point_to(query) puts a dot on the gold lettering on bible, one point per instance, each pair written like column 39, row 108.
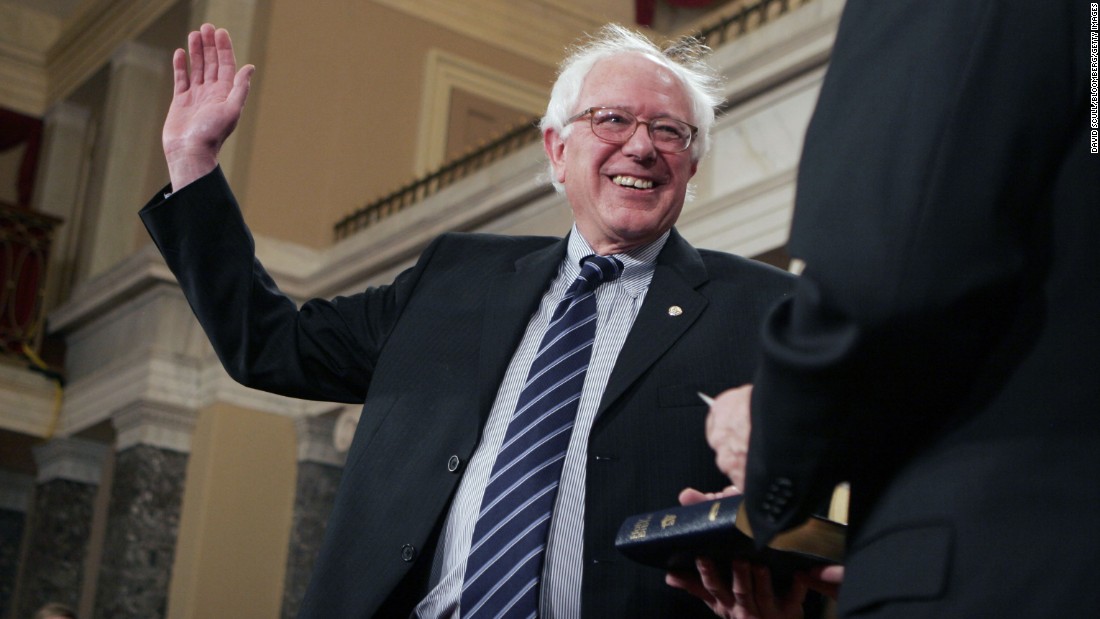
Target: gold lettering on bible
column 640, row 528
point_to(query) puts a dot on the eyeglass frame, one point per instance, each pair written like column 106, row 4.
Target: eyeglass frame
column 591, row 114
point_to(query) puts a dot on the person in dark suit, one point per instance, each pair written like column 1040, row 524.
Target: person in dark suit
column 939, row 351
column 439, row 355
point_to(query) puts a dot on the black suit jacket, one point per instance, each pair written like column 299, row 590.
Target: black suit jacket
column 428, row 353
column 940, row 350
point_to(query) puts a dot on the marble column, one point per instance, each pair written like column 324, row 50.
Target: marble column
column 16, row 491
column 60, row 523
column 320, row 465
column 144, row 511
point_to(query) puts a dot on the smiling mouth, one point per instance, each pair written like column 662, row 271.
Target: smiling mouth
column 632, row 182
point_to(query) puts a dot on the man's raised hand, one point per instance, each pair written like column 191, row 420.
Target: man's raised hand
column 206, row 104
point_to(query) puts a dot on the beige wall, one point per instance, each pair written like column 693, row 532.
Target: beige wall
column 335, row 102
column 236, row 516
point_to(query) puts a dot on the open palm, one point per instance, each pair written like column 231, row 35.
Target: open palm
column 206, row 104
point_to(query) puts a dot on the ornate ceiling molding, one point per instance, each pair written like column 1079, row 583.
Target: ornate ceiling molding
column 538, row 30
column 25, row 36
column 92, row 37
column 43, row 58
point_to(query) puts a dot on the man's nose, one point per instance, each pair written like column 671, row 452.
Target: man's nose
column 640, row 145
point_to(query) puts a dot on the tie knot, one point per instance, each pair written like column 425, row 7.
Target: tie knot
column 596, row 270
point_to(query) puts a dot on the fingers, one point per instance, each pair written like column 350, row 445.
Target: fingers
column 732, row 460
column 227, row 61
column 755, row 593
column 194, row 48
column 728, row 427
column 730, row 490
column 792, row 602
column 824, row 580
column 762, row 590
column 241, row 84
column 209, row 53
column 749, row 595
column 206, row 104
column 691, row 584
column 728, row 418
column 691, row 496
column 832, row 574
column 743, row 590
column 179, row 72
column 717, row 585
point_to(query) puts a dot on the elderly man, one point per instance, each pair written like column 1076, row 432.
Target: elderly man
column 522, row 396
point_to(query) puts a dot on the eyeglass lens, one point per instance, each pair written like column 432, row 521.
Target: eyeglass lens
column 615, row 125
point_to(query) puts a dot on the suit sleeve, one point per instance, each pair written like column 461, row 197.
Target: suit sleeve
column 325, row 350
column 923, row 195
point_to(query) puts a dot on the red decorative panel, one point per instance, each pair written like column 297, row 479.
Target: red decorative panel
column 25, row 239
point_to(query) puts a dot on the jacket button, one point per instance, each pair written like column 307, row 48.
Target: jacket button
column 408, row 553
column 453, row 463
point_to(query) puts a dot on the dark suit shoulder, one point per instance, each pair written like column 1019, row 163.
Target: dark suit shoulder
column 722, row 265
column 466, row 247
column 496, row 241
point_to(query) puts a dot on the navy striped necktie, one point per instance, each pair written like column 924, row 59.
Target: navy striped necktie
column 506, row 556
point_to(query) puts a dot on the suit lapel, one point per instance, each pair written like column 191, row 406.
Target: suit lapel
column 679, row 271
column 511, row 299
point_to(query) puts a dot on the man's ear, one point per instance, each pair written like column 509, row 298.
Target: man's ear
column 554, row 145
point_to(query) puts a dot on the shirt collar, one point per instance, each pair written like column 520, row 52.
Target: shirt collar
column 638, row 263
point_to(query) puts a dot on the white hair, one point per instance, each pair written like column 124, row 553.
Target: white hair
column 684, row 58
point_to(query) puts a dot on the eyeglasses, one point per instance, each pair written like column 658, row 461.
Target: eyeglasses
column 616, row 126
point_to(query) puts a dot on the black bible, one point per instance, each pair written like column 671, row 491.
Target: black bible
column 672, row 538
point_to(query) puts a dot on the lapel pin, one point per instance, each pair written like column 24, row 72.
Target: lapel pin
column 675, row 310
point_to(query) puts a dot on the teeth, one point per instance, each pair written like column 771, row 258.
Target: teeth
column 630, row 181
